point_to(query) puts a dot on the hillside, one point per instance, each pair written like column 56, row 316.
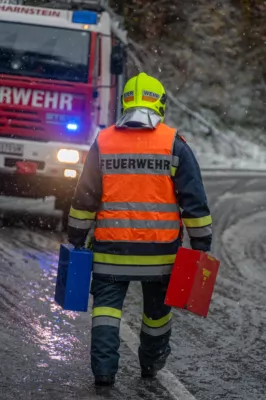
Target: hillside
column 212, row 57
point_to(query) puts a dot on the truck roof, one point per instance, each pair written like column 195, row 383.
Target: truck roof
column 55, row 17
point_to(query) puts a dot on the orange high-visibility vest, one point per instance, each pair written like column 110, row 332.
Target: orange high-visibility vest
column 139, row 202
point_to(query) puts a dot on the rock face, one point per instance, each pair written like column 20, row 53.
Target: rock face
column 212, row 55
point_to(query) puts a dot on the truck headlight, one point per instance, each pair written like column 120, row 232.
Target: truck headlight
column 70, row 173
column 68, row 156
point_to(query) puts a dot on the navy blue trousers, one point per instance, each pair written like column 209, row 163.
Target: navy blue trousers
column 107, row 312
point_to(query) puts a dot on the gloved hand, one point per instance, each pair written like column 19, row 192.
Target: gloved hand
column 76, row 237
column 202, row 244
column 76, row 242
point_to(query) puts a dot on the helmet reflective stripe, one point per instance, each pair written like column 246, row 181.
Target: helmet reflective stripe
column 150, row 96
column 128, row 96
column 144, row 91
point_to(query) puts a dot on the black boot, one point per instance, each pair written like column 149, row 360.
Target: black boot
column 151, row 370
column 104, row 380
column 148, row 372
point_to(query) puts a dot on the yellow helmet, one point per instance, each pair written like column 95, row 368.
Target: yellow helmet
column 144, row 91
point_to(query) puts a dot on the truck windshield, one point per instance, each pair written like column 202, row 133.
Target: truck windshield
column 44, row 52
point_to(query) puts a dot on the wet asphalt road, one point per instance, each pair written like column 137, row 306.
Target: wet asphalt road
column 44, row 351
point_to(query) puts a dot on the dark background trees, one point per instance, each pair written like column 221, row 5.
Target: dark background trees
column 212, row 54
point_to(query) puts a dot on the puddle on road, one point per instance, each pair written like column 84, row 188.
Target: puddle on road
column 32, row 326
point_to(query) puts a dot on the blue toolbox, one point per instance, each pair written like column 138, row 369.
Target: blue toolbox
column 73, row 278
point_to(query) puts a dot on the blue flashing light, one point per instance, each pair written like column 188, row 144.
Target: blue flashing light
column 72, row 126
column 85, row 17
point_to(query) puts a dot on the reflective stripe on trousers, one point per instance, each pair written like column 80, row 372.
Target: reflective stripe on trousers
column 105, row 321
column 106, row 316
column 156, row 327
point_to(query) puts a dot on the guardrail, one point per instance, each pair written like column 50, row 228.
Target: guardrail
column 232, row 170
column 229, row 173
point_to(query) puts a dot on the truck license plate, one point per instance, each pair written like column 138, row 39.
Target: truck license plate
column 11, row 148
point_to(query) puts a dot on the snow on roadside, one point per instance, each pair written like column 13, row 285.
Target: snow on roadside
column 242, row 155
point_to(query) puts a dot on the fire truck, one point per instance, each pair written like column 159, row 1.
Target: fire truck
column 62, row 71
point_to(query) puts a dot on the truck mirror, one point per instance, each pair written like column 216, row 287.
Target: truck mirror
column 117, row 60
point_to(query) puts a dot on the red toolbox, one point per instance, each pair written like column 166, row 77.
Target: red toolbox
column 192, row 281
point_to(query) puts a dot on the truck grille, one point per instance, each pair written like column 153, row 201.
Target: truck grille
column 20, row 119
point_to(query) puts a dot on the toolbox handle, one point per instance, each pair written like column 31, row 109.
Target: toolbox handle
column 82, row 248
column 79, row 247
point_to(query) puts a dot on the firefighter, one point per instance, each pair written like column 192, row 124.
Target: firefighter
column 139, row 179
